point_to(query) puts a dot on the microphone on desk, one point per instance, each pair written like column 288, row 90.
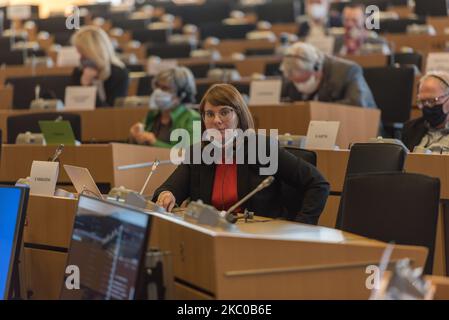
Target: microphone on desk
column 232, row 218
column 57, row 153
column 153, row 168
column 142, row 165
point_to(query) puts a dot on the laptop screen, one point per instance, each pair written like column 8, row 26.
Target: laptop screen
column 13, row 202
column 107, row 247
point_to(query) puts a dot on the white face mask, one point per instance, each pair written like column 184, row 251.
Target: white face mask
column 161, row 100
column 309, row 86
column 317, row 11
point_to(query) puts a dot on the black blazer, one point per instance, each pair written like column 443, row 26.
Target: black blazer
column 195, row 181
column 115, row 86
column 413, row 132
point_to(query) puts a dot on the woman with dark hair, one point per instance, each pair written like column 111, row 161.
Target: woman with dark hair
column 224, row 110
column 173, row 90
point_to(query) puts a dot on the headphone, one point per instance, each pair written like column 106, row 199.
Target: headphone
column 316, row 64
column 440, row 78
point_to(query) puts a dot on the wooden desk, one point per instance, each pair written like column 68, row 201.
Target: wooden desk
column 258, row 260
column 228, row 47
column 419, row 42
column 356, row 124
column 99, row 125
column 102, row 161
column 368, row 60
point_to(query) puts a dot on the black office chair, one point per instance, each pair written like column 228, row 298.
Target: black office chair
column 54, row 24
column 392, row 89
column 407, row 59
column 280, row 11
column 12, row 57
column 199, row 70
column 132, row 24
column 210, row 11
column 30, row 122
column 398, row 25
column 52, row 87
column 393, row 207
column 372, row 158
column 437, row 8
column 151, row 36
column 289, row 194
column 259, row 52
column 272, row 69
column 144, row 88
column 170, row 50
column 224, row 31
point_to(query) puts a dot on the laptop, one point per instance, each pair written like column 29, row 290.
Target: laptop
column 57, row 132
column 82, row 181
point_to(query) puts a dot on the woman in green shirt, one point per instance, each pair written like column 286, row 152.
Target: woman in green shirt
column 173, row 90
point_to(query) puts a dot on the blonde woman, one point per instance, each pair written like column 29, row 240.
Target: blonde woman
column 99, row 66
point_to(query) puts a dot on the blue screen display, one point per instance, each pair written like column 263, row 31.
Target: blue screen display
column 10, row 207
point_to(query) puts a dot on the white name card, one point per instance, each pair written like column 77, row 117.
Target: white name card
column 265, row 92
column 437, row 61
column 44, row 175
column 154, row 66
column 80, row 97
column 18, row 12
column 322, row 134
column 323, row 43
column 68, row 57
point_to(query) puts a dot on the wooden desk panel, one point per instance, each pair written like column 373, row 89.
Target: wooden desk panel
column 99, row 125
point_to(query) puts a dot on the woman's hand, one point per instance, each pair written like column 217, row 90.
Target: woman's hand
column 136, row 129
column 166, row 200
column 88, row 76
column 146, row 138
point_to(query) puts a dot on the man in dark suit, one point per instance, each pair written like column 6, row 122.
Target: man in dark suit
column 431, row 131
column 311, row 75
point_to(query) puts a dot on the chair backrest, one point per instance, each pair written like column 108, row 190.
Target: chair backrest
column 280, row 11
column 30, row 122
column 153, row 36
column 398, row 25
column 431, row 8
column 170, row 50
column 259, row 52
column 52, row 87
column 224, row 31
column 372, row 158
column 210, row 11
column 144, row 88
column 12, row 57
column 392, row 89
column 289, row 194
column 132, row 24
column 404, row 59
column 393, row 207
column 272, row 69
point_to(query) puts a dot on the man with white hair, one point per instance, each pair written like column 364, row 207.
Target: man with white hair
column 431, row 131
column 312, row 75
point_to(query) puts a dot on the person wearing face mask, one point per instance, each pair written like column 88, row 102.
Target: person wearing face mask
column 431, row 130
column 223, row 183
column 309, row 74
column 99, row 66
column 317, row 20
column 173, row 89
column 357, row 39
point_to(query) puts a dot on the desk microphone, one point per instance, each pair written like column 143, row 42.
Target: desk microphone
column 153, row 168
column 232, row 218
column 57, row 153
column 142, row 165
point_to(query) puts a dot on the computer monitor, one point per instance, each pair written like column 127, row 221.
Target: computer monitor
column 108, row 246
column 431, row 8
column 13, row 204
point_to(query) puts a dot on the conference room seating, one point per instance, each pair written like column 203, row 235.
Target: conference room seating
column 401, row 208
column 259, row 52
column 30, row 122
column 12, row 57
column 283, row 11
column 51, row 87
column 272, row 69
column 144, row 87
column 372, row 158
column 407, row 59
column 224, row 31
column 170, row 50
column 132, row 24
column 153, row 36
column 392, row 89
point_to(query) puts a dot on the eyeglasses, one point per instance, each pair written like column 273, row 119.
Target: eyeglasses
column 224, row 114
column 431, row 102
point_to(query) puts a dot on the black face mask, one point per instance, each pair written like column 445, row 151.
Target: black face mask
column 435, row 115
